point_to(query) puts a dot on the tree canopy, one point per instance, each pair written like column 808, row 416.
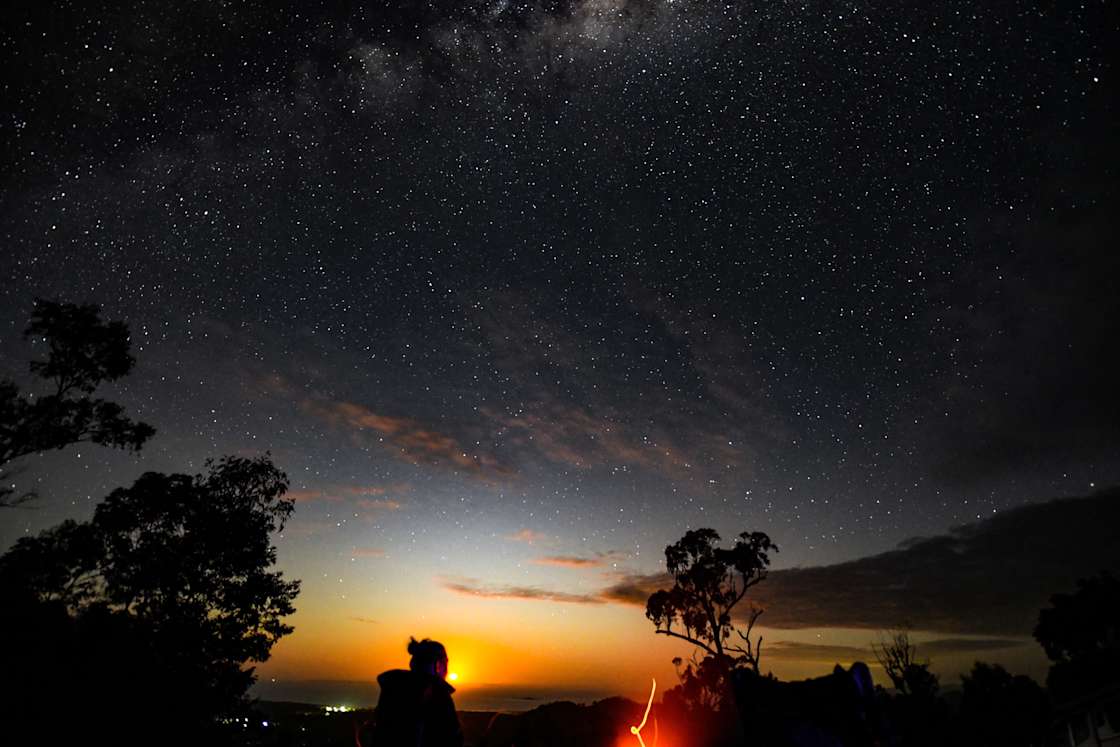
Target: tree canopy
column 899, row 658
column 709, row 582
column 1080, row 633
column 999, row 709
column 82, row 353
column 141, row 620
column 177, row 570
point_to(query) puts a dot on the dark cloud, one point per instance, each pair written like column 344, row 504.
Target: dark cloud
column 816, row 652
column 989, row 577
column 832, row 653
column 969, row 645
column 635, row 589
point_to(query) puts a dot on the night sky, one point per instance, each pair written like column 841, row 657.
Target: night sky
column 517, row 293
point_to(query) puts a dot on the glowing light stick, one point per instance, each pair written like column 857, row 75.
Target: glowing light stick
column 637, row 730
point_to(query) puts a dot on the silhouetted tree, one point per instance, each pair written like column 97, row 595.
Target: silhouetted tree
column 1080, row 633
column 1001, row 710
column 917, row 713
column 703, row 683
column 83, row 352
column 708, row 583
column 173, row 576
column 899, row 659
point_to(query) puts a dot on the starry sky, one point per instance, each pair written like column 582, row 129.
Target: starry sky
column 517, row 293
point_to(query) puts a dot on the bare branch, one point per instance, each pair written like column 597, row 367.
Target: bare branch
column 693, row 641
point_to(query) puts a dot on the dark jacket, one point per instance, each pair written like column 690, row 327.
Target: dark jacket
column 416, row 710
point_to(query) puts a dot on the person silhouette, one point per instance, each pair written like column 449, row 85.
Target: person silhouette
column 415, row 708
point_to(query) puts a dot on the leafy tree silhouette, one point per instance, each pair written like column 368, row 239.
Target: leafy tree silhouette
column 708, row 583
column 139, row 622
column 918, row 711
column 174, row 572
column 1001, row 710
column 83, row 352
column 1080, row 633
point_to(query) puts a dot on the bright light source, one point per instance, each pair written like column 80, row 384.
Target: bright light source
column 453, row 676
column 637, row 730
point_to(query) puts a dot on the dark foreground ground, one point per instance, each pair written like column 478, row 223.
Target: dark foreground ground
column 303, row 725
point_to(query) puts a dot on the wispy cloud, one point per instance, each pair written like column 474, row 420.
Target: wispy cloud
column 379, row 504
column 373, row 489
column 307, row 496
column 366, row 620
column 403, row 437
column 366, row 495
column 574, row 437
column 569, row 561
column 732, row 420
column 368, row 552
column 473, row 588
column 528, row 536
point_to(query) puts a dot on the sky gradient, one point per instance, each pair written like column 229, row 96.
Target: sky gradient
column 517, row 293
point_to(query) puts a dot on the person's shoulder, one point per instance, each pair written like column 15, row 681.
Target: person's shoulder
column 395, row 678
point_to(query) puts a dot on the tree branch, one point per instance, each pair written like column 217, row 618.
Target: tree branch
column 693, row 641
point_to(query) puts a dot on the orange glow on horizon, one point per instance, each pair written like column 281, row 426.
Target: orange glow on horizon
column 540, row 645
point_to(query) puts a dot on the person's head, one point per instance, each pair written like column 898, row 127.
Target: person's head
column 428, row 656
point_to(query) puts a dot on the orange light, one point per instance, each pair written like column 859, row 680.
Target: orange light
column 637, row 730
column 453, row 676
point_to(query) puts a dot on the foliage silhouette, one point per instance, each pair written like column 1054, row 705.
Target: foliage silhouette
column 898, row 657
column 1001, row 710
column 172, row 575
column 841, row 709
column 1080, row 633
column 704, row 702
column 708, row 583
column 918, row 713
column 83, row 352
column 703, row 684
